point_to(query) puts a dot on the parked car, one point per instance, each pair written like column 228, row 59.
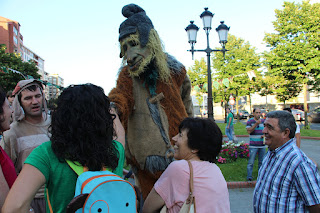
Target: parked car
column 243, row 114
column 298, row 114
column 314, row 115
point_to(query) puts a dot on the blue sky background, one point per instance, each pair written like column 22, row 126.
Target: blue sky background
column 78, row 39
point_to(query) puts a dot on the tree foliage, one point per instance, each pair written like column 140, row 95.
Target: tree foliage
column 240, row 59
column 199, row 77
column 9, row 80
column 294, row 55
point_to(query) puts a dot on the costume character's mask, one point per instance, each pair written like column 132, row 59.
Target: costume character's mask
column 137, row 56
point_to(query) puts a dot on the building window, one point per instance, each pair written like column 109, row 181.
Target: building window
column 15, row 40
column 15, row 30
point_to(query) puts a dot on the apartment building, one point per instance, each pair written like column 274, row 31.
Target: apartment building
column 55, row 82
column 10, row 36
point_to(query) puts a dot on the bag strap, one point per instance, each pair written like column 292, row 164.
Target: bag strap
column 191, row 178
column 49, row 204
column 191, row 198
column 81, row 169
column 76, row 168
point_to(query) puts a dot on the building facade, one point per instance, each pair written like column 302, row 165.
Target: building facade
column 10, row 36
column 55, row 83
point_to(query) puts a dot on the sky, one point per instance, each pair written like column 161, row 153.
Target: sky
column 78, row 39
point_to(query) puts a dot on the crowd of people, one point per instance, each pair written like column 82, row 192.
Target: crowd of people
column 86, row 129
column 148, row 120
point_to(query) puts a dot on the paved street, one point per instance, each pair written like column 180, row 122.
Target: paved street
column 241, row 199
column 315, row 126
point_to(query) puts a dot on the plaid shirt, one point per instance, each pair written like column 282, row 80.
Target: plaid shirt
column 288, row 181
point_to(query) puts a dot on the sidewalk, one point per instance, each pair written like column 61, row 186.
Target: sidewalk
column 241, row 198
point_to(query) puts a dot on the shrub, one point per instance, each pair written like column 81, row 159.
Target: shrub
column 232, row 151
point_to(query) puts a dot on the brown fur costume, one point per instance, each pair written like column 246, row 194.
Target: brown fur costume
column 176, row 105
column 152, row 97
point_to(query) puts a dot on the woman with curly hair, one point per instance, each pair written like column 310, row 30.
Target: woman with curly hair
column 199, row 141
column 85, row 131
column 7, row 171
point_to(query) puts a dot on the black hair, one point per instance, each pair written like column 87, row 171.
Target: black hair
column 203, row 135
column 82, row 128
column 288, row 109
column 285, row 120
column 2, row 100
column 230, row 110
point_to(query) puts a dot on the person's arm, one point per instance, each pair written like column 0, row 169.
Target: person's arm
column 122, row 96
column 23, row 190
column 120, row 133
column 251, row 129
column 306, row 180
column 153, row 203
column 230, row 119
column 298, row 139
column 314, row 209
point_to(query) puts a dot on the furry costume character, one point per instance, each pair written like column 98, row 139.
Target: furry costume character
column 152, row 97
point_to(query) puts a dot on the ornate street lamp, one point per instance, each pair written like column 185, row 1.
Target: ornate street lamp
column 222, row 30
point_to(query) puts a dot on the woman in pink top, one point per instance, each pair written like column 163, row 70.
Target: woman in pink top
column 199, row 140
column 7, row 171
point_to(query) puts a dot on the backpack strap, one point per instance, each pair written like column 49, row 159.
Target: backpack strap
column 81, row 169
column 49, row 204
column 76, row 167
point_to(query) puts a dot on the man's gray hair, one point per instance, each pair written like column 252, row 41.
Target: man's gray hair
column 286, row 120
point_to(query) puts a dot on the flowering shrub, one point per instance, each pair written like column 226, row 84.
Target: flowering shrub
column 231, row 151
column 222, row 160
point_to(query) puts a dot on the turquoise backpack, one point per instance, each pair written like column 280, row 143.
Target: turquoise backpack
column 101, row 191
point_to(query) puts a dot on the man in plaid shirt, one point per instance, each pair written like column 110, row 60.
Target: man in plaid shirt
column 288, row 180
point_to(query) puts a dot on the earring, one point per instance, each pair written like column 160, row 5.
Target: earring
column 193, row 151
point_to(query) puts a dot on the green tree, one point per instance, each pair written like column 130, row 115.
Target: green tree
column 268, row 85
column 294, row 53
column 286, row 90
column 9, row 79
column 199, row 77
column 240, row 59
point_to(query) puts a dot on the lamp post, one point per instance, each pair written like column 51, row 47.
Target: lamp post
column 222, row 30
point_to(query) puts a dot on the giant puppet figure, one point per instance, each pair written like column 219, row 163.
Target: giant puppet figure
column 152, row 97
